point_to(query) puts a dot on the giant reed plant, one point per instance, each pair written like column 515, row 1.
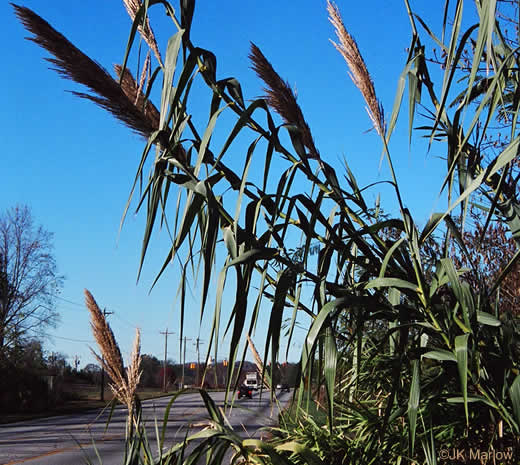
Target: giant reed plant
column 410, row 355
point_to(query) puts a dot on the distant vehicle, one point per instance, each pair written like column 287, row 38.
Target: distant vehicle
column 244, row 391
column 252, row 380
column 285, row 388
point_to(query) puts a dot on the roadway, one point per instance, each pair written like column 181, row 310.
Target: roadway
column 68, row 439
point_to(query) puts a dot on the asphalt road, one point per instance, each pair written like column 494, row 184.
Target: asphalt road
column 66, row 440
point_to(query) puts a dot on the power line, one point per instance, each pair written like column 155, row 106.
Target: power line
column 69, row 301
column 116, row 313
column 126, row 322
column 66, row 338
column 132, row 325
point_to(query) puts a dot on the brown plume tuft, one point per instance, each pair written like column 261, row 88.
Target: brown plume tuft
column 73, row 64
column 358, row 71
column 281, row 98
column 135, row 94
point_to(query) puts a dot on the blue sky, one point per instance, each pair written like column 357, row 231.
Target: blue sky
column 74, row 164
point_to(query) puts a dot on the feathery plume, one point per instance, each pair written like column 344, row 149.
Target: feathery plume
column 124, row 382
column 113, row 361
column 144, row 74
column 358, row 71
column 133, row 373
column 132, row 7
column 258, row 360
column 135, row 94
column 72, row 63
column 281, row 98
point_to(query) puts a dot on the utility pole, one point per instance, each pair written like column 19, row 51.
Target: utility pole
column 76, row 362
column 165, row 355
column 183, row 358
column 198, row 343
column 102, row 394
column 224, row 365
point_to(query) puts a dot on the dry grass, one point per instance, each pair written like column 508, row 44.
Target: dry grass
column 281, row 98
column 358, row 71
column 124, row 382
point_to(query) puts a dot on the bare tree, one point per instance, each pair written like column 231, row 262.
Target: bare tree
column 29, row 281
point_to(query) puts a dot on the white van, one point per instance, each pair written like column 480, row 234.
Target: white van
column 252, row 381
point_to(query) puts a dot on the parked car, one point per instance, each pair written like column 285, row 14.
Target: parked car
column 244, row 391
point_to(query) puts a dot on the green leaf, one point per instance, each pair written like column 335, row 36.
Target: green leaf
column 208, row 254
column 214, row 412
column 454, row 53
column 254, row 255
column 206, row 137
column 441, row 355
column 191, row 210
column 391, row 282
column 487, row 319
column 243, row 181
column 172, row 53
column 461, row 350
column 167, row 416
column 461, row 291
column 235, row 91
column 484, row 38
column 317, row 327
column 506, row 156
column 331, row 360
column 285, row 282
column 187, row 9
column 514, row 394
column 471, row 399
column 244, row 119
column 229, row 240
column 413, row 402
column 300, row 449
column 394, row 297
column 292, row 324
column 388, row 256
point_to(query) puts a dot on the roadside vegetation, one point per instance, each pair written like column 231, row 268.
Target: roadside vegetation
column 36, row 385
column 29, row 284
column 413, row 346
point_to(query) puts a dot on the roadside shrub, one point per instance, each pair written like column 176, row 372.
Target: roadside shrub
column 23, row 389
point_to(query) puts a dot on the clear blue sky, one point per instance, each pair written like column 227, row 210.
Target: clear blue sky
column 74, row 164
